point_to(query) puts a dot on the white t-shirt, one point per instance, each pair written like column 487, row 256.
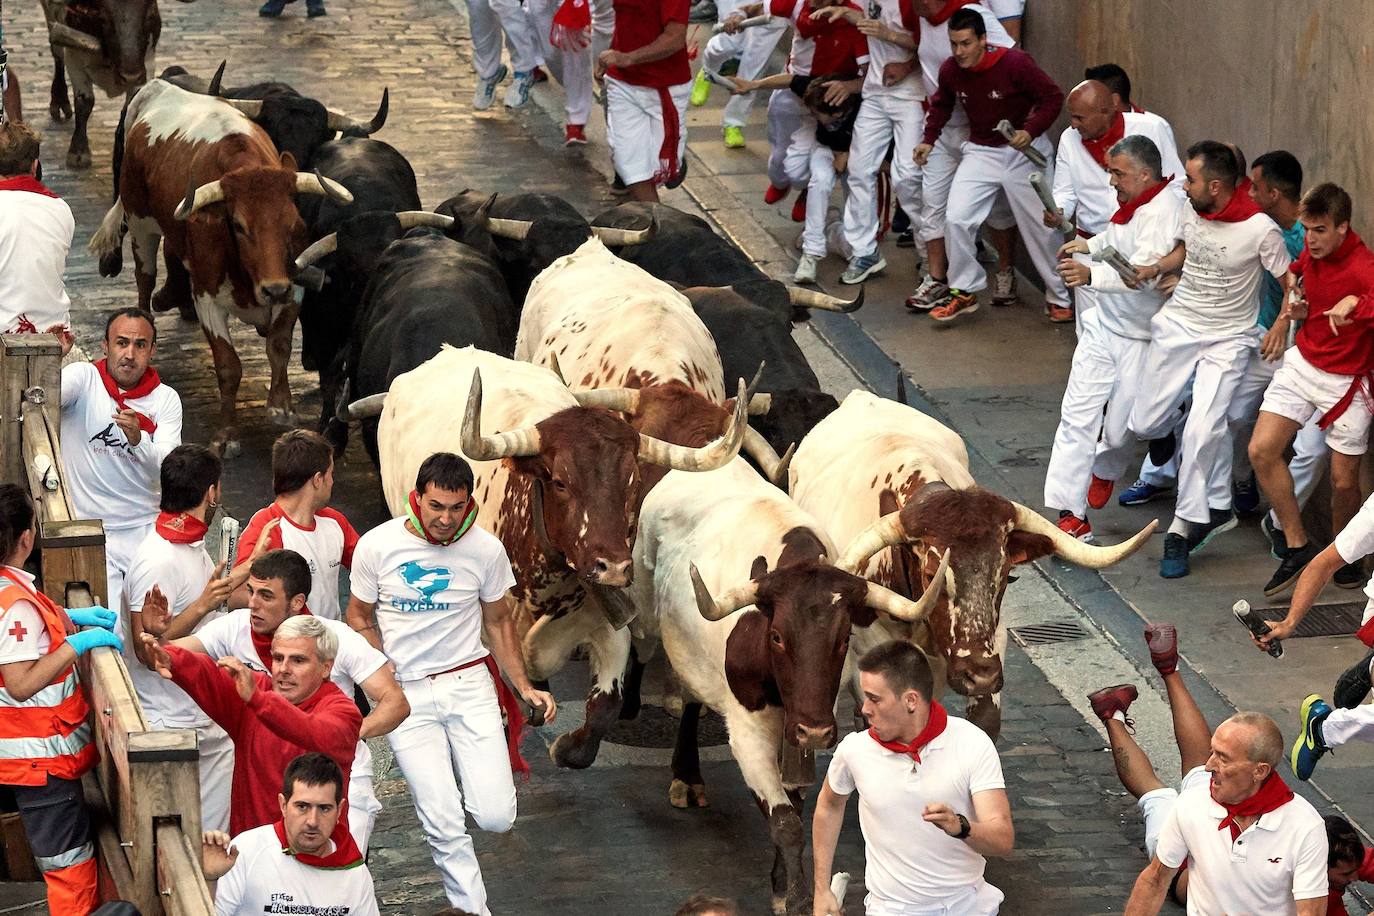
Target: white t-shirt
column 1355, row 541
column 1083, row 188
column 1152, row 232
column 427, row 594
column 1279, row 859
column 264, row 879
column 326, row 546
column 910, row 862
column 35, row 236
column 107, row 477
column 934, row 50
column 23, row 637
column 881, row 53
column 181, row 571
column 1007, row 9
column 1219, row 292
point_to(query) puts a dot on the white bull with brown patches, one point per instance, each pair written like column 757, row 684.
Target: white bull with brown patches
column 894, row 485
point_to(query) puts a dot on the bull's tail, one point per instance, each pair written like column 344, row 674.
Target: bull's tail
column 108, row 241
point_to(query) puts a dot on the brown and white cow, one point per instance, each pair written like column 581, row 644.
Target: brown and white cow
column 894, row 485
column 737, row 582
column 205, row 180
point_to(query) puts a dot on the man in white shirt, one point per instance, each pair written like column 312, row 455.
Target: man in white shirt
column 932, row 801
column 1251, row 845
column 36, row 228
column 424, row 587
column 1112, row 344
column 303, row 483
column 304, row 863
column 1206, row 332
column 278, row 582
column 118, row 422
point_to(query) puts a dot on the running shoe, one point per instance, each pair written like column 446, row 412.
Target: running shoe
column 957, row 305
column 1310, row 746
column 928, row 295
column 861, row 268
column 1100, row 492
column 1004, row 287
column 485, row 93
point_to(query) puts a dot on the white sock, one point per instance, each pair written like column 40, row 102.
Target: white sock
column 1119, row 716
column 1179, row 526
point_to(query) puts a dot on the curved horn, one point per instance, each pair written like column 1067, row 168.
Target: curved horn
column 509, row 228
column 370, row 406
column 813, row 299
column 409, row 219
column 886, row 532
column 319, row 249
column 250, row 107
column 199, row 197
column 760, row 404
column 708, row 457
column 894, row 605
column 558, row 370
column 625, row 400
column 315, row 183
column 622, row 237
column 1075, row 551
column 773, row 467
column 342, row 122
column 726, row 604
column 59, row 33
column 217, row 81
column 513, row 444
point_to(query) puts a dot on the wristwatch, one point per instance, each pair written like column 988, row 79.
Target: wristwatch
column 965, row 828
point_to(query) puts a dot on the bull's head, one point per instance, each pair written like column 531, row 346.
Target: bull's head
column 129, row 27
column 985, row 535
column 789, row 650
column 258, row 204
column 583, row 464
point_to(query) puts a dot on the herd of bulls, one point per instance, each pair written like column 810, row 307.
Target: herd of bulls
column 582, row 369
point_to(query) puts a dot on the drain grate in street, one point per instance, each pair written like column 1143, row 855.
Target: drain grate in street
column 1048, row 633
column 1331, row 620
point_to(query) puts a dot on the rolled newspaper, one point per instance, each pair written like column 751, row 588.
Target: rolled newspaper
column 228, row 547
column 714, row 77
column 1113, row 259
column 1037, row 181
column 746, row 24
column 1034, row 155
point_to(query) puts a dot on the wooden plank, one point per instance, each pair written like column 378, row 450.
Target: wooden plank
column 13, row 375
column 73, row 553
column 179, row 877
column 166, row 787
column 116, row 879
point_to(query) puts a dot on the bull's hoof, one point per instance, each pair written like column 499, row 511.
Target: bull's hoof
column 574, row 751
column 672, row 704
column 111, row 264
column 164, row 300
column 629, row 710
column 681, row 795
column 187, row 311
column 78, row 159
column 779, row 905
column 283, row 417
column 60, row 111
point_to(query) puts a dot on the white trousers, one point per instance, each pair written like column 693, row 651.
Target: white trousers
column 452, row 752
column 937, row 175
column 572, row 69
column 1215, row 365
column 982, row 173
column 812, row 164
column 752, row 47
column 883, row 119
column 1105, row 372
column 979, row 899
column 634, row 127
column 120, row 546
column 785, row 115
column 491, row 21
column 1345, row 725
column 1155, row 806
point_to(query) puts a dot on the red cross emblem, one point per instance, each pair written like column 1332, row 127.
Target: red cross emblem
column 18, row 631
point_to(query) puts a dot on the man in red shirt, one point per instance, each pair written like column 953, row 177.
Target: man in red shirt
column 1326, row 373
column 647, row 80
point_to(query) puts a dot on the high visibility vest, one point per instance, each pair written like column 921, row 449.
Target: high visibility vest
column 50, row 732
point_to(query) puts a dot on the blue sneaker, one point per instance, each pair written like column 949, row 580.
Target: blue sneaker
column 485, row 93
column 1245, row 496
column 860, row 269
column 1199, row 536
column 272, row 8
column 518, row 92
column 1139, row 493
column 1174, row 563
column 1309, row 747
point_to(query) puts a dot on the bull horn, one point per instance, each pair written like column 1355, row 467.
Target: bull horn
column 196, row 198
column 558, row 370
column 1071, row 549
column 722, row 607
column 59, row 33
column 625, row 400
column 886, row 532
column 623, row 237
column 773, row 467
column 813, row 299
column 216, row 81
column 342, row 122
column 516, row 229
column 370, row 406
column 250, row 107
column 410, row 219
column 709, row 457
column 899, row 608
column 315, row 183
column 319, row 249
column 513, row 444
column 760, row 404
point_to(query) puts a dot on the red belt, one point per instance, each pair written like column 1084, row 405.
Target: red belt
column 1341, row 406
column 465, row 665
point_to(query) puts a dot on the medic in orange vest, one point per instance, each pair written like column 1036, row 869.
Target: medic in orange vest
column 45, row 735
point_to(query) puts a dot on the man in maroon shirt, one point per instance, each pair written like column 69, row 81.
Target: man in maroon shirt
column 994, row 84
column 648, row 80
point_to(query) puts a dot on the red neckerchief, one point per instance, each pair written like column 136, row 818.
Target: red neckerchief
column 144, row 388
column 263, row 644
column 1273, row 794
column 180, row 528
column 935, row 726
column 26, row 183
column 949, row 9
column 1098, row 148
column 1127, row 210
column 989, row 60
column 1238, row 210
column 469, row 516
column 345, row 854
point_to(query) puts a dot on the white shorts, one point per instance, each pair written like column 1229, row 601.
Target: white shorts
column 1156, row 805
column 634, row 127
column 1300, row 390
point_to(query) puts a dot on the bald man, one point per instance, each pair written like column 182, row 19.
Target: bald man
column 1251, row 845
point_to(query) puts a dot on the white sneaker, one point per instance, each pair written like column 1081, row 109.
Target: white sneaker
column 518, row 92
column 485, row 93
column 806, row 269
column 928, row 295
column 1004, row 287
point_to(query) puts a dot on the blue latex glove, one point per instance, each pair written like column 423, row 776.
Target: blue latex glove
column 87, row 640
column 93, row 616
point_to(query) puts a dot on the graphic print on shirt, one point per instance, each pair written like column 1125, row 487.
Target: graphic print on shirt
column 111, row 438
column 282, row 902
column 427, row 581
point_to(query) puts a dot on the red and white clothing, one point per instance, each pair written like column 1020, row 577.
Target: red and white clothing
column 326, row 545
column 107, row 477
column 646, row 104
column 181, row 571
column 751, row 47
column 428, row 609
column 355, row 662
column 1082, row 187
column 572, row 60
column 36, row 228
column 913, row 866
column 23, row 636
column 1278, row 860
column 268, row 877
column 1355, row 542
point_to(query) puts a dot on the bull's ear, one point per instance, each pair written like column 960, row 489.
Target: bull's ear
column 887, row 501
column 1023, row 547
column 288, row 162
column 759, row 569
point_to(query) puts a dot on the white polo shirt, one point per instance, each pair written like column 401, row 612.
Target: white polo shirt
column 911, row 863
column 1279, row 859
column 1083, row 188
column 1152, row 232
column 427, row 594
column 35, row 236
column 1219, row 292
column 267, row 880
column 326, row 545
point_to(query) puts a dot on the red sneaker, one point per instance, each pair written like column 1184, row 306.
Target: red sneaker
column 1111, row 700
column 774, row 194
column 799, row 208
column 1100, row 492
column 1162, row 638
column 1059, row 314
column 574, row 135
column 1074, row 526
